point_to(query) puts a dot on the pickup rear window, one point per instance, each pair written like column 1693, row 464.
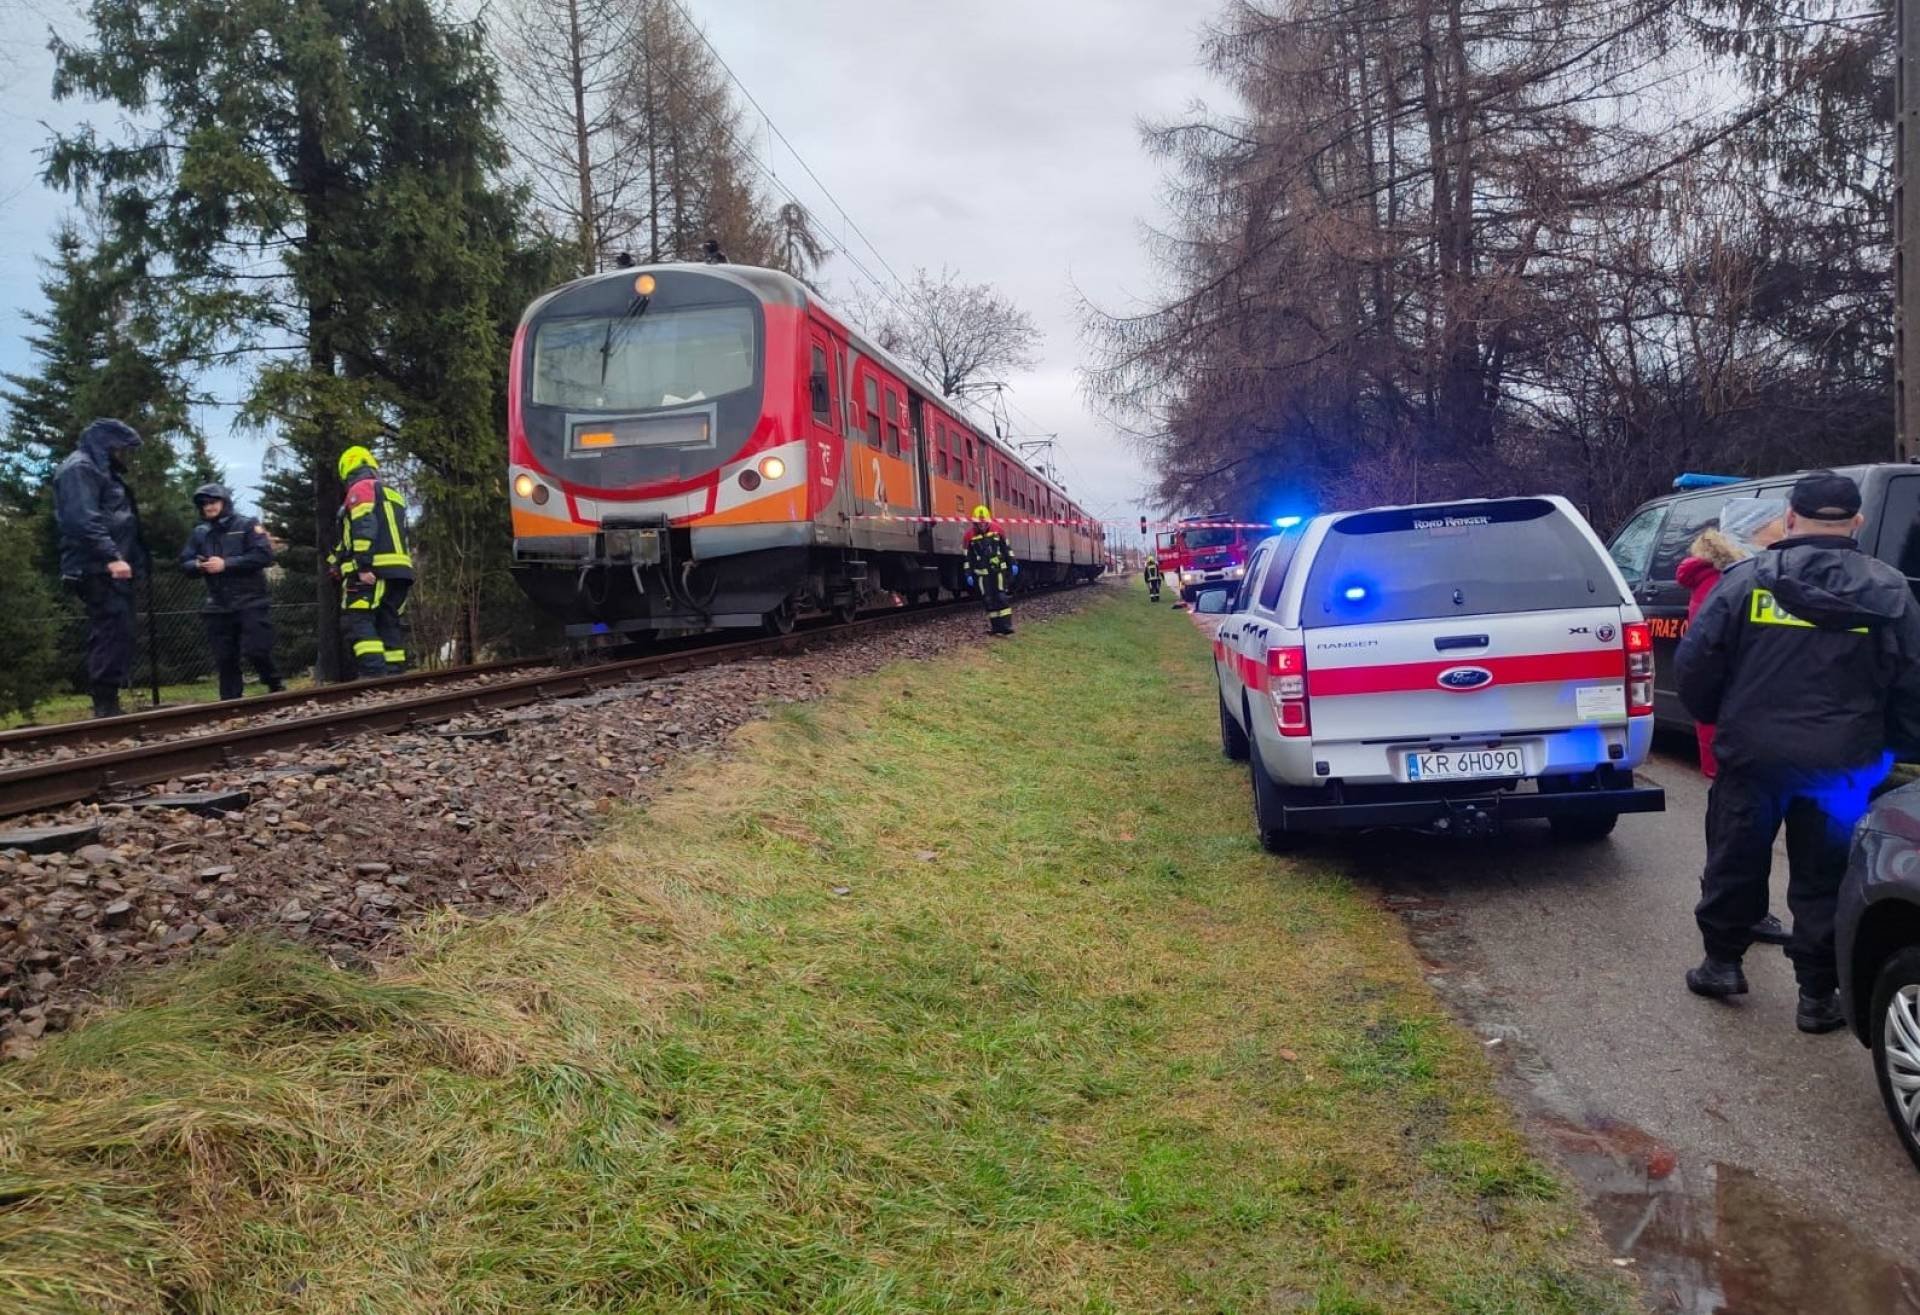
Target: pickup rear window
column 1522, row 555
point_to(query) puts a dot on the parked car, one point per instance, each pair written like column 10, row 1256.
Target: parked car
column 1447, row 667
column 1649, row 548
column 1878, row 935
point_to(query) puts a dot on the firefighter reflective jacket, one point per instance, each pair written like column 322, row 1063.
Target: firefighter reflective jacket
column 373, row 531
column 987, row 551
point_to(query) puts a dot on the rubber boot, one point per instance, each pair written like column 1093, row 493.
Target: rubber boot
column 106, row 701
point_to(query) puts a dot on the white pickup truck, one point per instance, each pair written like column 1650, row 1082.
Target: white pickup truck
column 1446, row 667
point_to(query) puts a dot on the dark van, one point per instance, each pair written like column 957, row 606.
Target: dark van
column 1656, row 537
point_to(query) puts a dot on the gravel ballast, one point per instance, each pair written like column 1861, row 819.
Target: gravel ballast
column 341, row 845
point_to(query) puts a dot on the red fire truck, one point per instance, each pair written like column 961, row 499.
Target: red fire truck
column 1206, row 552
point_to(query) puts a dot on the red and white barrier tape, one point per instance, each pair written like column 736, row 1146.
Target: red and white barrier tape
column 1033, row 520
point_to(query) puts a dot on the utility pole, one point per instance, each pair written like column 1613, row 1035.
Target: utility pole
column 1906, row 230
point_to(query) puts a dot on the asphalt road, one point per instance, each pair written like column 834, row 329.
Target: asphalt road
column 1735, row 1164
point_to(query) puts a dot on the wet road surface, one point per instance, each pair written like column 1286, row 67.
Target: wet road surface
column 1735, row 1164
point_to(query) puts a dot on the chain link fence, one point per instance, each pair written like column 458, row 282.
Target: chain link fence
column 173, row 658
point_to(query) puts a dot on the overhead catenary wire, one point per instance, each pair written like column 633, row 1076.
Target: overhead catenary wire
column 959, row 403
column 774, row 128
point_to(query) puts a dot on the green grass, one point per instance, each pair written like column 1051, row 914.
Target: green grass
column 1066, row 1042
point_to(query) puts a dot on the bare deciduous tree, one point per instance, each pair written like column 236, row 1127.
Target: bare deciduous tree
column 962, row 336
column 571, row 67
column 627, row 128
column 1470, row 246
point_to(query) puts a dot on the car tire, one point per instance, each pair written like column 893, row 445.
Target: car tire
column 1898, row 986
column 1269, row 812
column 1586, row 829
column 1233, row 739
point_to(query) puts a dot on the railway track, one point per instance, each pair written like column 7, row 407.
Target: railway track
column 55, row 782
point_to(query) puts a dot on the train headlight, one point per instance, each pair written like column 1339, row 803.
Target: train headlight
column 772, row 467
column 644, row 285
column 526, row 486
column 523, row 485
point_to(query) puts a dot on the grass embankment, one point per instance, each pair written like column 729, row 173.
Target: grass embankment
column 963, row 991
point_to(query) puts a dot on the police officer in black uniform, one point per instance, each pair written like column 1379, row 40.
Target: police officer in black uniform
column 1806, row 657
column 99, row 526
column 231, row 553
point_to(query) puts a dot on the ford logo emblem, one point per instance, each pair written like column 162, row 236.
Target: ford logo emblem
column 1465, row 678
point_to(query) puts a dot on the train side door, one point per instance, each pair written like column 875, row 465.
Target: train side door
column 826, row 440
column 919, row 454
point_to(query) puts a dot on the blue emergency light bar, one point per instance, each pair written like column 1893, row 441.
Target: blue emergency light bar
column 1690, row 480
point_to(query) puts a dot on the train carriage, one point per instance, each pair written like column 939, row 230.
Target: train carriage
column 699, row 447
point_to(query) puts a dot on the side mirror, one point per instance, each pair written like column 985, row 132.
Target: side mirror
column 817, row 389
column 1213, row 602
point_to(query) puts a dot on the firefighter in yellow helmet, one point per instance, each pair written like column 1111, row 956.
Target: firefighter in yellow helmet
column 374, row 565
column 1153, row 577
column 991, row 568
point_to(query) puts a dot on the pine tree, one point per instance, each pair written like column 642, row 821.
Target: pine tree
column 302, row 166
column 93, row 358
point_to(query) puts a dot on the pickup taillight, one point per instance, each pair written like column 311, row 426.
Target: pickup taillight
column 1287, row 688
column 1639, row 642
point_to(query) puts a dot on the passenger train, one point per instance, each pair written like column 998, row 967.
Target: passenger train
column 699, row 447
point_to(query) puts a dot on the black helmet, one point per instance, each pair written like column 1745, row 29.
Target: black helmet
column 208, row 492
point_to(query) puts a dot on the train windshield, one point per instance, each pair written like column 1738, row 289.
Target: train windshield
column 1210, row 538
column 655, row 360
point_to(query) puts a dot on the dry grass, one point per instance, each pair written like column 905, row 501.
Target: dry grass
column 966, row 991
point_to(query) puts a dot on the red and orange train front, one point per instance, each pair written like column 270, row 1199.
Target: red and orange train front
column 656, row 475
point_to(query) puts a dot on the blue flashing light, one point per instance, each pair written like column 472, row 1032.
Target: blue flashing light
column 1354, row 593
column 600, row 627
column 1692, row 480
column 1286, row 522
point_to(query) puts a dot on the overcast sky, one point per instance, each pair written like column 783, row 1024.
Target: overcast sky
column 998, row 137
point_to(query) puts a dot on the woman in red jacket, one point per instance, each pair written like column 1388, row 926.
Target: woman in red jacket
column 1710, row 554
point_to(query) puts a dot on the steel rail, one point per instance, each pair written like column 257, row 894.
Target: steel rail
column 134, row 725
column 52, row 784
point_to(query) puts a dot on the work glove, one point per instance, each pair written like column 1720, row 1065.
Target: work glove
column 1016, row 570
column 969, row 579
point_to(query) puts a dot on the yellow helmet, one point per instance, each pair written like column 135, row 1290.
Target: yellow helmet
column 354, row 458
column 981, row 513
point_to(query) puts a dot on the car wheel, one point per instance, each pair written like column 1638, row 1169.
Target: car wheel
column 1233, row 740
column 1896, row 1044
column 1583, row 830
column 1269, row 815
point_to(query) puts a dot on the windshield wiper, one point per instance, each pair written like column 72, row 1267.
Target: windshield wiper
column 635, row 309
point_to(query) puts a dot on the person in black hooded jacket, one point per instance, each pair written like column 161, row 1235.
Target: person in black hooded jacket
column 1806, row 657
column 231, row 553
column 99, row 529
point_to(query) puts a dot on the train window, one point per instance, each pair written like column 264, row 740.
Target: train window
column 893, row 422
column 873, row 411
column 821, row 403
